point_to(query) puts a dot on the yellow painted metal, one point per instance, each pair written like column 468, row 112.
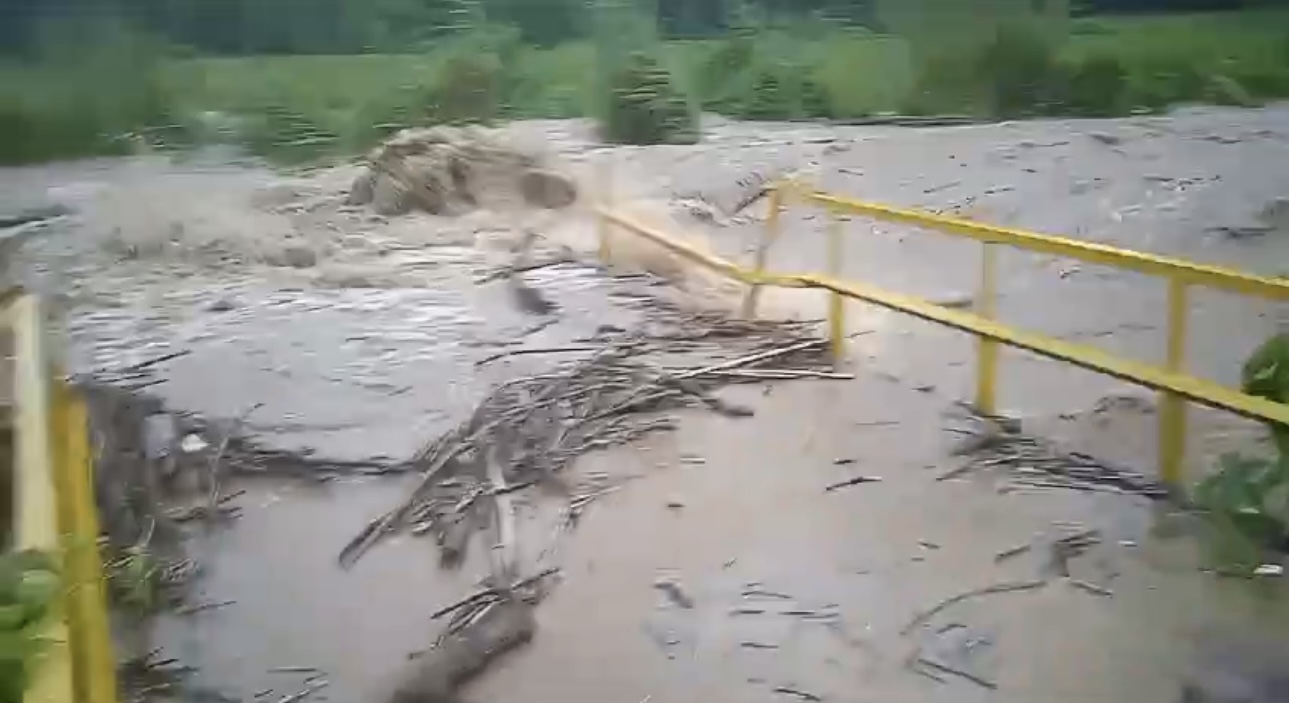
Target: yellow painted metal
column 36, row 499
column 986, row 348
column 55, row 512
column 769, row 235
column 836, row 301
column 1172, row 408
column 1184, row 271
column 685, row 251
column 87, row 617
column 1147, row 375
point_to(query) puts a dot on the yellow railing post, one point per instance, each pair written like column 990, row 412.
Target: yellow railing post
column 836, row 301
column 36, row 499
column 603, row 226
column 93, row 661
column 987, row 349
column 1172, row 407
column 768, row 237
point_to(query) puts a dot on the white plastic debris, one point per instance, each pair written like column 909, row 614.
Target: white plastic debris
column 1269, row 570
column 192, row 444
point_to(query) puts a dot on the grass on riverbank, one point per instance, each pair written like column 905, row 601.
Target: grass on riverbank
column 333, row 104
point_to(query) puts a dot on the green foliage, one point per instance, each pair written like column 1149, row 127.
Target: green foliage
column 1018, row 71
column 93, row 85
column 278, row 132
column 644, row 106
column 101, row 92
column 29, row 590
column 726, row 62
column 134, row 579
column 467, row 89
column 751, row 76
column 1096, row 86
column 1247, row 498
column 1224, row 90
column 1158, row 82
column 1266, row 375
column 944, row 84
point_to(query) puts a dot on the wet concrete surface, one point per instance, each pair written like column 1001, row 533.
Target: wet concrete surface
column 369, row 349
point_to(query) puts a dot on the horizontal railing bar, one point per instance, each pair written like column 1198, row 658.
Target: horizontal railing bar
column 1185, row 385
column 1090, row 252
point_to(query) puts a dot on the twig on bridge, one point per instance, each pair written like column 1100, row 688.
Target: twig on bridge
column 852, row 482
column 1011, row 587
column 941, row 666
column 523, row 352
column 487, row 593
column 218, row 459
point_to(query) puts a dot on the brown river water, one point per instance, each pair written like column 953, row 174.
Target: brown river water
column 359, row 336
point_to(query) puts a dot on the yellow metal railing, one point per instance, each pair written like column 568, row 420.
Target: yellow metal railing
column 1174, row 385
column 54, row 511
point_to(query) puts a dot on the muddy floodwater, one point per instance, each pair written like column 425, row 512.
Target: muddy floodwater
column 360, row 337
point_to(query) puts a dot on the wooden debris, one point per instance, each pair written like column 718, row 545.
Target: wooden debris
column 851, row 482
column 202, row 607
column 530, row 429
column 1001, row 443
column 216, row 461
column 538, row 425
column 961, row 673
column 1011, row 552
column 304, row 693
column 492, row 593
column 802, row 695
column 1091, row 587
column 524, row 352
column 926, row 615
column 462, row 655
column 672, row 589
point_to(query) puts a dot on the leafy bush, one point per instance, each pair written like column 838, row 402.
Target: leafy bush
column 1247, row 498
column 1018, row 71
column 945, row 83
column 644, row 107
column 749, row 77
column 1224, row 90
column 280, row 133
column 1162, row 81
column 467, row 89
column 729, row 60
column 1096, row 86
column 29, row 587
column 91, row 89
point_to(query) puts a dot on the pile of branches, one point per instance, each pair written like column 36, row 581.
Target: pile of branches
column 530, row 429
column 1000, row 443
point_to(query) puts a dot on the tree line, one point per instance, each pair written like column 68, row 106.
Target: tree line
column 347, row 26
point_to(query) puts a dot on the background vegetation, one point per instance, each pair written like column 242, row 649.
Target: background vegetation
column 303, row 78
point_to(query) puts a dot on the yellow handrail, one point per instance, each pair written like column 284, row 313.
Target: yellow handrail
column 1171, row 381
column 1180, row 275
column 1187, row 272
column 55, row 513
